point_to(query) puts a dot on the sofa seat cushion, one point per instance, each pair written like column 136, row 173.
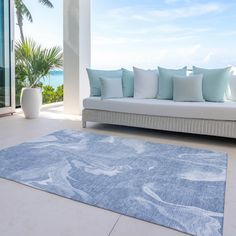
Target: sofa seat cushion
column 167, row 108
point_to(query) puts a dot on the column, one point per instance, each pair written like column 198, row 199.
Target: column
column 76, row 54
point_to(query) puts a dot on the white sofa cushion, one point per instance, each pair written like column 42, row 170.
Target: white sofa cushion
column 167, row 108
column 231, row 93
column 145, row 83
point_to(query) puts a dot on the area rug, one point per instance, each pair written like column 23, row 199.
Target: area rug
column 178, row 187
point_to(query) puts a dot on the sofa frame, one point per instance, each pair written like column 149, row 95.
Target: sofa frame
column 221, row 128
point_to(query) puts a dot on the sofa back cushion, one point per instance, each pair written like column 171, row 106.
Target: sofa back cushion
column 128, row 83
column 215, row 83
column 231, row 92
column 187, row 89
column 145, row 83
column 94, row 75
column 165, row 87
column 111, row 88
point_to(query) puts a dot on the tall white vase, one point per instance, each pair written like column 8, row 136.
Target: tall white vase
column 31, row 102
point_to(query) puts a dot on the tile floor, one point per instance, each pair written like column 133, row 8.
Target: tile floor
column 28, row 212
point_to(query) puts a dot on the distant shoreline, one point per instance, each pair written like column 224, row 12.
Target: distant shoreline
column 55, row 79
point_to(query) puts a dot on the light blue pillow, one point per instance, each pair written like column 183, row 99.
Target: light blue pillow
column 188, row 88
column 215, row 83
column 128, row 83
column 165, row 87
column 94, row 75
column 111, row 88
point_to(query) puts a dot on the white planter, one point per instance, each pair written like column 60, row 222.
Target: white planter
column 31, row 102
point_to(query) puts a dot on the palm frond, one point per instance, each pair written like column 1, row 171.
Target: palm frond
column 46, row 3
column 22, row 10
column 35, row 61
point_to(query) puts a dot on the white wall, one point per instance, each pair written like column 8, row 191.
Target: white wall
column 77, row 53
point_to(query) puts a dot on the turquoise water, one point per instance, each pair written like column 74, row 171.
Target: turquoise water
column 55, row 79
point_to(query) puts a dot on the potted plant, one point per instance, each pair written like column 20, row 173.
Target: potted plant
column 32, row 64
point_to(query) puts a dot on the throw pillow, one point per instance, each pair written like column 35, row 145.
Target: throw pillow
column 188, row 89
column 215, row 83
column 165, row 88
column 231, row 93
column 94, row 75
column 128, row 83
column 111, row 88
column 145, row 83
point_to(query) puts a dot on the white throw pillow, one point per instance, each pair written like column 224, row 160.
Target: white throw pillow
column 145, row 83
column 231, row 93
column 111, row 88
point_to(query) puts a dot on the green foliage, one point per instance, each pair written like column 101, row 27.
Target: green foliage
column 59, row 93
column 51, row 95
column 34, row 62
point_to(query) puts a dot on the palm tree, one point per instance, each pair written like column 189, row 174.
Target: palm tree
column 22, row 11
column 34, row 62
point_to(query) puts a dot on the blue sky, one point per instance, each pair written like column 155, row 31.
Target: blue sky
column 47, row 26
column 147, row 33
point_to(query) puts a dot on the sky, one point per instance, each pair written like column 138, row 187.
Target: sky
column 149, row 33
column 47, row 26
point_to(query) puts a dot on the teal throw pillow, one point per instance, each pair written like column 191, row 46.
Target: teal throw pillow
column 94, row 75
column 188, row 88
column 165, row 88
column 128, row 83
column 215, row 83
column 111, row 88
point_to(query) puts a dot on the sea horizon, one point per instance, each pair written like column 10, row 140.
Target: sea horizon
column 54, row 79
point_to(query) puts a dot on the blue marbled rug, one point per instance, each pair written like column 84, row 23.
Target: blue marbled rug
column 177, row 187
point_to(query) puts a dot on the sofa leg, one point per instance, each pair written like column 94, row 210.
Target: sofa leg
column 83, row 124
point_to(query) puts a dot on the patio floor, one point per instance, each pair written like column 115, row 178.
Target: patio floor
column 28, row 212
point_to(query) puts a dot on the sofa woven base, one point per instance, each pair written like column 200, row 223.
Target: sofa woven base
column 186, row 125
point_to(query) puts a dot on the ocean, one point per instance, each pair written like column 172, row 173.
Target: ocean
column 55, row 79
